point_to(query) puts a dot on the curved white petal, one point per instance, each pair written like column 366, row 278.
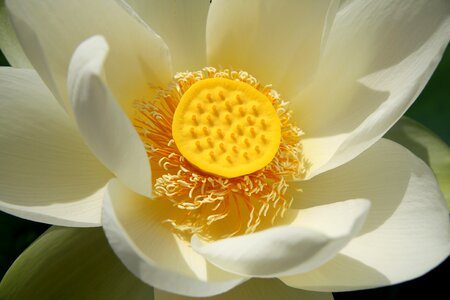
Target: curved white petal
column 49, row 32
column 256, row 289
column 407, row 231
column 314, row 236
column 379, row 56
column 182, row 25
column 279, row 42
column 427, row 146
column 47, row 174
column 134, row 227
column 105, row 127
column 9, row 44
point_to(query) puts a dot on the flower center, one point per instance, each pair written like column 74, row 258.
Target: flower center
column 223, row 150
column 226, row 127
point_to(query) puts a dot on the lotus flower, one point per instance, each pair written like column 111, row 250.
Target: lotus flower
column 215, row 143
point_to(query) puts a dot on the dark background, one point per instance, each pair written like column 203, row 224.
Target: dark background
column 432, row 109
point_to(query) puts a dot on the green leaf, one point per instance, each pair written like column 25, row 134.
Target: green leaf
column 9, row 44
column 71, row 263
column 426, row 145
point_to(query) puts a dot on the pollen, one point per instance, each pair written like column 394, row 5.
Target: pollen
column 239, row 114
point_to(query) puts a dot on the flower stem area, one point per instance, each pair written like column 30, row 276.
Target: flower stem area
column 431, row 109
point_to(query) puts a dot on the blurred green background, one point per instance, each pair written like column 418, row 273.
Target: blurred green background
column 432, row 109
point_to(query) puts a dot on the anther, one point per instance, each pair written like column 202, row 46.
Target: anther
column 194, row 119
column 246, row 155
column 200, row 108
column 222, row 147
column 246, row 141
column 205, row 130
column 228, row 118
column 210, row 141
column 242, row 111
column 199, row 147
column 233, row 136
column 235, row 149
column 257, row 149
column 208, row 96
column 252, row 131
column 249, row 120
column 229, row 159
column 221, row 95
column 238, row 98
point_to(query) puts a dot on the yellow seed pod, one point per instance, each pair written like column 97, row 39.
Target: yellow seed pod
column 226, row 127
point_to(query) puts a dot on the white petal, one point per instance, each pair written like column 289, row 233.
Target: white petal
column 314, row 236
column 279, row 42
column 134, row 228
column 182, row 25
column 407, row 232
column 47, row 174
column 379, row 56
column 256, row 289
column 427, row 146
column 8, row 42
column 49, row 32
column 106, row 129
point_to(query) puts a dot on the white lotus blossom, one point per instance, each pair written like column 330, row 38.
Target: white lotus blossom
column 215, row 143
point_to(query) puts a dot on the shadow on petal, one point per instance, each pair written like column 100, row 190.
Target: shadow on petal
column 336, row 275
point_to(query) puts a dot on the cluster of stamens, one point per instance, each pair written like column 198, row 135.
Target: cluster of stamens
column 222, row 158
